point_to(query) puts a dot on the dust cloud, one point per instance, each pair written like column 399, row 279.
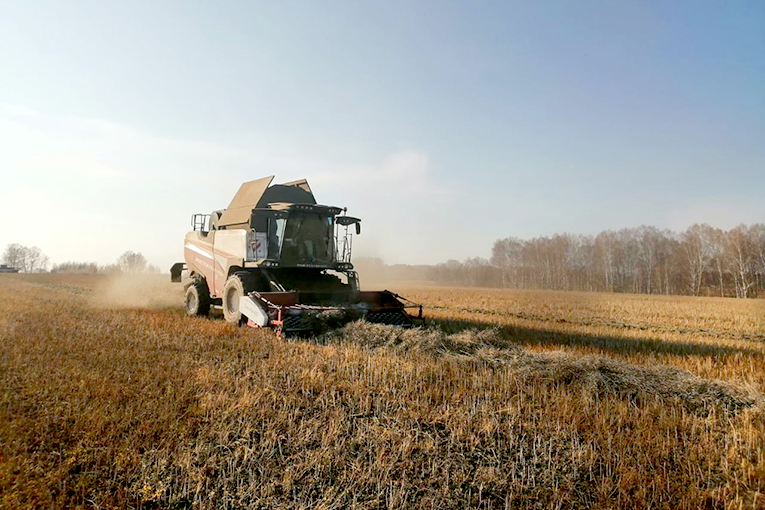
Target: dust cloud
column 138, row 291
column 374, row 274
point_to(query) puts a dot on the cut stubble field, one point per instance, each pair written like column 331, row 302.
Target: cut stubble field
column 110, row 397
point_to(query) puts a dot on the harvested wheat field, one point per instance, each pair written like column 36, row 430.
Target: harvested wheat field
column 110, row 397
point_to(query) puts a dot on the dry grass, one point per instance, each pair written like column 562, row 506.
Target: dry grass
column 596, row 376
column 141, row 407
column 715, row 338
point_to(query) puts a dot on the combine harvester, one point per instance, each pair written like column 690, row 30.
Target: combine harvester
column 275, row 258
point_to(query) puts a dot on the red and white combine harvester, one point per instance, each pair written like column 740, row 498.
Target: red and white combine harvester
column 275, row 258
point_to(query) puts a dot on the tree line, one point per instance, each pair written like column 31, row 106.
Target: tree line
column 702, row 260
column 33, row 260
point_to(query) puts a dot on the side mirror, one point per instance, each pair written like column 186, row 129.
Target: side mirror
column 346, row 221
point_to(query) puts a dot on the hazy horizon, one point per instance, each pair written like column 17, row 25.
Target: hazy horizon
column 444, row 126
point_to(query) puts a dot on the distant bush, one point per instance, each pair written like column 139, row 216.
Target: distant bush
column 76, row 267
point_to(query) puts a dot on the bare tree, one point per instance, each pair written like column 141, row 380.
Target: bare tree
column 604, row 250
column 740, row 256
column 696, row 256
column 15, row 256
column 507, row 255
column 28, row 260
column 131, row 262
column 757, row 235
column 650, row 244
column 579, row 263
column 628, row 261
column 714, row 238
column 37, row 261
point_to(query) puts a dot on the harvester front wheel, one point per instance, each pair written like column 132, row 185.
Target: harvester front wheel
column 233, row 292
column 197, row 299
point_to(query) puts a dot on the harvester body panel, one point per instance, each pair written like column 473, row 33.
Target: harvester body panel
column 212, row 255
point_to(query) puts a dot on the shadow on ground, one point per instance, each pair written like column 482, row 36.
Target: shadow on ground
column 519, row 336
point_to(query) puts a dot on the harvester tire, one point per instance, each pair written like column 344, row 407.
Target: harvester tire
column 197, row 299
column 233, row 291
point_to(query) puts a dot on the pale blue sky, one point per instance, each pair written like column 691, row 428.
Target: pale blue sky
column 444, row 125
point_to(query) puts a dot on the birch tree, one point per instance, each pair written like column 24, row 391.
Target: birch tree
column 741, row 259
column 695, row 251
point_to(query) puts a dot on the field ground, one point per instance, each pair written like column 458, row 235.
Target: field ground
column 111, row 398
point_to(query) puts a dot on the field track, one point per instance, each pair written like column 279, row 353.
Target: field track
column 111, row 398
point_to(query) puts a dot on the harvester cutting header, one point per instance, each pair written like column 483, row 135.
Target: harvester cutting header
column 275, row 258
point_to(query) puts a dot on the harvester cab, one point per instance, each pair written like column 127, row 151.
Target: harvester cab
column 275, row 258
